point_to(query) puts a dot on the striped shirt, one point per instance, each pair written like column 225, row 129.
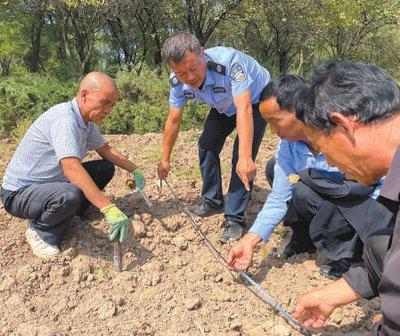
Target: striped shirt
column 58, row 133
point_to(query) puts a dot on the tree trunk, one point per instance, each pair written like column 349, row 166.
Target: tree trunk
column 36, row 35
column 282, row 61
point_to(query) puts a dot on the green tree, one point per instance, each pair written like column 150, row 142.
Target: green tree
column 346, row 25
column 12, row 49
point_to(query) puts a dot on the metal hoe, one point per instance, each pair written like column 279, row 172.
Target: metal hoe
column 281, row 311
column 146, row 199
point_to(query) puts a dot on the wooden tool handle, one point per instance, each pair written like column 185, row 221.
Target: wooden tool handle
column 117, row 256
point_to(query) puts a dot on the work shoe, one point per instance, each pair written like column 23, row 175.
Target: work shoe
column 232, row 231
column 202, row 209
column 298, row 245
column 39, row 247
column 334, row 269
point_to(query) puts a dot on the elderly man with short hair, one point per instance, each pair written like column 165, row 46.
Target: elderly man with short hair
column 352, row 113
column 46, row 180
column 230, row 82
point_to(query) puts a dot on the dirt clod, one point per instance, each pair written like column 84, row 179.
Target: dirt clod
column 193, row 304
column 139, row 229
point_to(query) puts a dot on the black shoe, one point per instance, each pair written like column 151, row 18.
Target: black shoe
column 232, row 231
column 334, row 269
column 296, row 246
column 202, row 209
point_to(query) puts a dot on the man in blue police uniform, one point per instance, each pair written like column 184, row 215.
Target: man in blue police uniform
column 230, row 82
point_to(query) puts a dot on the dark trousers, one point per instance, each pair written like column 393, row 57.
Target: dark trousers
column 269, row 171
column 379, row 277
column 365, row 280
column 51, row 206
column 216, row 129
column 337, row 226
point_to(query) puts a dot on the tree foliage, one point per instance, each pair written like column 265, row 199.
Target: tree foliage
column 65, row 39
column 73, row 37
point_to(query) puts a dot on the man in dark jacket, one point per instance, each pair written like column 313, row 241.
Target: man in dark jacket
column 352, row 113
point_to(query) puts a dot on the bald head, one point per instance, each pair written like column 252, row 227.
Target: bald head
column 97, row 80
column 96, row 96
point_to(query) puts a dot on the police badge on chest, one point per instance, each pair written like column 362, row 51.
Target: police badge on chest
column 188, row 95
column 219, row 89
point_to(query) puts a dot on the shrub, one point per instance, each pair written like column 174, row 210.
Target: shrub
column 24, row 98
column 142, row 106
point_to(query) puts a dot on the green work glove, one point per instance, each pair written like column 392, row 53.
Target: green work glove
column 117, row 222
column 139, row 179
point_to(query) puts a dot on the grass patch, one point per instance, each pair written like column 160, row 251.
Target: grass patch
column 192, row 137
column 281, row 231
column 19, row 131
column 154, row 153
column 100, row 273
column 188, row 174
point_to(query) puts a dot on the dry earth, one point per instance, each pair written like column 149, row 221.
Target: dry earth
column 171, row 284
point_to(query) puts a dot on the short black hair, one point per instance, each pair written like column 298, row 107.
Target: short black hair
column 284, row 89
column 353, row 89
column 176, row 46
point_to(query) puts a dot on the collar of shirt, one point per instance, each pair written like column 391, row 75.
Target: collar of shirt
column 209, row 81
column 303, row 148
column 77, row 114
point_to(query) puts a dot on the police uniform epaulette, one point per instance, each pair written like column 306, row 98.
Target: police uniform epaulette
column 221, row 69
column 174, row 81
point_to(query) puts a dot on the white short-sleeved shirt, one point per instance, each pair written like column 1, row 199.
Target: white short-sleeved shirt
column 58, row 133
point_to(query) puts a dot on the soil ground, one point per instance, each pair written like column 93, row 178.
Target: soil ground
column 170, row 284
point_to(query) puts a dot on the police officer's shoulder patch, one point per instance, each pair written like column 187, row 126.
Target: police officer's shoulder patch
column 221, row 69
column 237, row 73
column 174, row 81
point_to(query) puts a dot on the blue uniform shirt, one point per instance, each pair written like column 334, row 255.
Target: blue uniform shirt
column 291, row 157
column 58, row 133
column 229, row 74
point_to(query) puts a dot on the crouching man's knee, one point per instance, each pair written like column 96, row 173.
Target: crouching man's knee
column 64, row 205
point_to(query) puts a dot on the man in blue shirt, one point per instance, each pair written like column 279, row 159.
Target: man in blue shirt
column 230, row 82
column 46, row 181
column 304, row 207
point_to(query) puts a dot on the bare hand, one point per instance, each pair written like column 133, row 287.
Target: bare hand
column 246, row 170
column 312, row 310
column 163, row 169
column 240, row 255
